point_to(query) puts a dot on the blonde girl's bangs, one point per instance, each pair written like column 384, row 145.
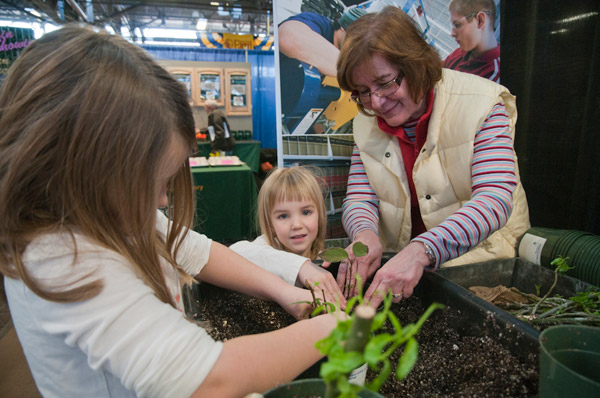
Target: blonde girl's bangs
column 296, row 183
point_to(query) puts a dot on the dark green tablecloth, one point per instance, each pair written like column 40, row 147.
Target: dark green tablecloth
column 225, row 202
column 247, row 151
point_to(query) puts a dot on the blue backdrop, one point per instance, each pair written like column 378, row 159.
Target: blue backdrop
column 263, row 81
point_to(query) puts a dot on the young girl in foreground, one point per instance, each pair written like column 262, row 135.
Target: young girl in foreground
column 292, row 218
column 94, row 137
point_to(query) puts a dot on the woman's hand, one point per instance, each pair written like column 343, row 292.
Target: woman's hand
column 310, row 273
column 364, row 266
column 400, row 275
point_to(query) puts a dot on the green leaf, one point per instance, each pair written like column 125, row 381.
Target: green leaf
column 342, row 363
column 378, row 321
column 408, row 359
column 382, row 376
column 359, row 249
column 375, row 347
column 333, row 255
column 350, row 304
column 317, row 311
column 346, row 389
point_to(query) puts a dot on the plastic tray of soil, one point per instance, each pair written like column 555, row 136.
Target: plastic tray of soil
column 478, row 316
column 469, row 349
column 513, row 272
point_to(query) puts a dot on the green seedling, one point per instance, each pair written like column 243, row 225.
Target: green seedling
column 318, row 305
column 561, row 267
column 360, row 339
column 338, row 254
column 581, row 309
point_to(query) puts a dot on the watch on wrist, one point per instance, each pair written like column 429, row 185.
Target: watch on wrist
column 430, row 254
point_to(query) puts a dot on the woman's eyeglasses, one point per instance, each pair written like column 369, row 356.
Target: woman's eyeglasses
column 385, row 90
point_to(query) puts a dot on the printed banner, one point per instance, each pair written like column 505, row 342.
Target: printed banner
column 12, row 42
column 231, row 40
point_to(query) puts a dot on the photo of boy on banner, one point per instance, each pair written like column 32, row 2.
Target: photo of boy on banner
column 311, row 32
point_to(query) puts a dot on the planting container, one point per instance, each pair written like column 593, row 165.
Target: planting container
column 513, row 272
column 309, row 388
column 570, row 362
column 477, row 316
column 542, row 245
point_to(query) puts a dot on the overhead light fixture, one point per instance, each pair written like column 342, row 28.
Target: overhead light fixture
column 152, row 33
column 215, row 3
column 237, row 13
column 201, row 24
column 171, row 43
column 222, row 12
column 33, row 11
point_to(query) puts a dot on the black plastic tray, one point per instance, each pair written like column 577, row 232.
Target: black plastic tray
column 478, row 317
column 449, row 286
column 512, row 272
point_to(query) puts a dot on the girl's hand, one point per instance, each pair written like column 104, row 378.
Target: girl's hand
column 296, row 301
column 400, row 275
column 364, row 266
column 311, row 273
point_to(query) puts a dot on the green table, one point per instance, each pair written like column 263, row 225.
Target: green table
column 247, row 151
column 226, row 198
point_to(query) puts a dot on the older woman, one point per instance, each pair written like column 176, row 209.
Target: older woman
column 434, row 174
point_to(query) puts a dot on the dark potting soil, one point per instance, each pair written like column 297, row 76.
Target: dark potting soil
column 449, row 364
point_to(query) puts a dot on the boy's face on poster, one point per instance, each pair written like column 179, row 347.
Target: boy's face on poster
column 296, row 225
column 465, row 30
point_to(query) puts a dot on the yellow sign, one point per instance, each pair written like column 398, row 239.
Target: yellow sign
column 231, row 40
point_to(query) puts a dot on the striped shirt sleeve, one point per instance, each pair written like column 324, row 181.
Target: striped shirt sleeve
column 493, row 183
column 360, row 207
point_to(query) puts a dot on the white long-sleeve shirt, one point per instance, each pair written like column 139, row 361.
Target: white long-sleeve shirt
column 284, row 264
column 124, row 342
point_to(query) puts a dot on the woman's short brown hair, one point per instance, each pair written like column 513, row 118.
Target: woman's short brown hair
column 392, row 34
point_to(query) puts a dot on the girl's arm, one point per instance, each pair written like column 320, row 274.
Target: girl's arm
column 284, row 264
column 258, row 362
column 229, row 270
column 291, row 267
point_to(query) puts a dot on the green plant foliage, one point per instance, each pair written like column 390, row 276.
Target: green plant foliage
column 561, row 264
column 376, row 352
column 337, row 254
column 360, row 249
column 588, row 301
column 334, row 254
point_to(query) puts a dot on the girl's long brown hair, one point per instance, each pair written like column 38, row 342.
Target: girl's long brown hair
column 85, row 121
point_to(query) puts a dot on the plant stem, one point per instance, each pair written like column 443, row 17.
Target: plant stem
column 564, row 306
column 358, row 336
column 325, row 301
column 547, row 293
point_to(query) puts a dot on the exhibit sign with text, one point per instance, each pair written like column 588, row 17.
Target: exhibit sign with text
column 12, row 42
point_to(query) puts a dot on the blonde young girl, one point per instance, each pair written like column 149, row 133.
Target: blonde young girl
column 94, row 137
column 292, row 219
